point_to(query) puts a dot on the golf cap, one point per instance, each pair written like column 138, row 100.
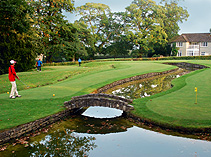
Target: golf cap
column 12, row 62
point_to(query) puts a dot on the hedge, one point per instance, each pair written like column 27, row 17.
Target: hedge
column 133, row 59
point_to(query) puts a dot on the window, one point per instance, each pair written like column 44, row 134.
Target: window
column 179, row 44
column 203, row 53
column 190, row 53
column 179, row 53
column 203, row 44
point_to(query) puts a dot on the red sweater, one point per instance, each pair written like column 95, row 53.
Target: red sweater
column 12, row 73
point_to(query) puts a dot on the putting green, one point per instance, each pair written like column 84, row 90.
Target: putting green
column 182, row 103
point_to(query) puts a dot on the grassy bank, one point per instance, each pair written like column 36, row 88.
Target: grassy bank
column 175, row 107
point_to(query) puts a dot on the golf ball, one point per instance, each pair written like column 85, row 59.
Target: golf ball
column 53, row 94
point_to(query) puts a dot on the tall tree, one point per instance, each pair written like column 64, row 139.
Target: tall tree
column 104, row 25
column 92, row 15
column 173, row 14
column 73, row 45
column 151, row 25
column 49, row 21
column 16, row 35
column 145, row 24
column 119, row 47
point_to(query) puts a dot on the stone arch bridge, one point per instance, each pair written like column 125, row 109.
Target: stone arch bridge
column 99, row 99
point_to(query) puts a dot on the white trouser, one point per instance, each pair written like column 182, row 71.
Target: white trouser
column 14, row 91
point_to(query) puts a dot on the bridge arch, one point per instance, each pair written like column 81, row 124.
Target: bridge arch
column 99, row 99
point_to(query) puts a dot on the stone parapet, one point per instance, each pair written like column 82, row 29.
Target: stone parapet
column 99, row 99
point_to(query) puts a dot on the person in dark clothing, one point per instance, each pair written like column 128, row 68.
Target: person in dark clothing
column 79, row 62
column 39, row 63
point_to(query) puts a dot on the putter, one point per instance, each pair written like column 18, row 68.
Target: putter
column 24, row 84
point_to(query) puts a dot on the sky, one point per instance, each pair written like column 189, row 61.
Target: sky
column 199, row 20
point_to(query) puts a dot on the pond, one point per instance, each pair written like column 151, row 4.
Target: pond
column 100, row 131
column 113, row 137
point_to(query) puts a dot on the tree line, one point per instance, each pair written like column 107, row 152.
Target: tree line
column 32, row 27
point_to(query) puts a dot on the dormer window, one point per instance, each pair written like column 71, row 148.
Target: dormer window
column 179, row 44
column 204, row 44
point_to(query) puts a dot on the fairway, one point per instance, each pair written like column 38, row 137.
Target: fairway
column 88, row 82
column 166, row 107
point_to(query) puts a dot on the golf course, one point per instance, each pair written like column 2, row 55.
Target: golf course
column 43, row 93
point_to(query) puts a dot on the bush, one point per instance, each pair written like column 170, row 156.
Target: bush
column 186, row 58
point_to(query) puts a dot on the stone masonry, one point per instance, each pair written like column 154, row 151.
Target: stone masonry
column 99, row 99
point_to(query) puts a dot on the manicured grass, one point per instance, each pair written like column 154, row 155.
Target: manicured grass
column 39, row 102
column 176, row 107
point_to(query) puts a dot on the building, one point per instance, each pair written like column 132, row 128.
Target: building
column 193, row 44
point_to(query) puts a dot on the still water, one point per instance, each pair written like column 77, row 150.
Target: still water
column 108, row 137
column 145, row 87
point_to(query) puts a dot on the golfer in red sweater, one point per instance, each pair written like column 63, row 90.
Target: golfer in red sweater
column 12, row 77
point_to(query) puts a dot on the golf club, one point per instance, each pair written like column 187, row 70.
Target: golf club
column 24, row 83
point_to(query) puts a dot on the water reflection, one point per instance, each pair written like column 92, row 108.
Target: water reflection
column 140, row 142
column 82, row 136
column 98, row 126
column 145, row 87
column 62, row 143
column 102, row 112
column 72, row 137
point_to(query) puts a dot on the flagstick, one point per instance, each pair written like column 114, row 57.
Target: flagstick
column 196, row 98
column 196, row 94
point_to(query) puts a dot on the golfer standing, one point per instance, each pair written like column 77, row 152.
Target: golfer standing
column 39, row 63
column 12, row 77
column 79, row 62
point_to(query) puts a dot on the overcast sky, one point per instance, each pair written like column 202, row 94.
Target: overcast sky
column 199, row 20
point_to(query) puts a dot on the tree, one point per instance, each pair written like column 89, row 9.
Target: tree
column 92, row 15
column 174, row 50
column 48, row 21
column 145, row 25
column 72, row 37
column 103, row 25
column 16, row 35
column 120, row 47
column 173, row 14
column 150, row 26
